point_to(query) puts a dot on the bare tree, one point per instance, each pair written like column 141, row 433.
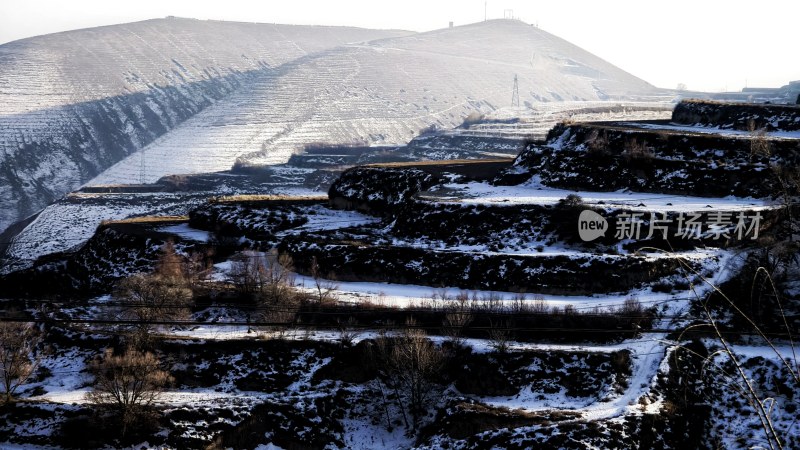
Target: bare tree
column 198, row 266
column 416, row 362
column 153, row 298
column 266, row 277
column 277, row 278
column 410, row 364
column 269, row 281
column 325, row 288
column 458, row 317
column 170, row 264
column 18, row 359
column 163, row 295
column 245, row 273
column 129, row 383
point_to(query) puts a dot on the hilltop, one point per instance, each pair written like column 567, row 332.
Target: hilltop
column 202, row 95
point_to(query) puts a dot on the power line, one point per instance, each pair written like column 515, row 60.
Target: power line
column 373, row 220
column 190, row 323
column 450, row 303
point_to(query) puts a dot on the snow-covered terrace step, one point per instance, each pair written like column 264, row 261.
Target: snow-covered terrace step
column 533, row 193
column 676, row 128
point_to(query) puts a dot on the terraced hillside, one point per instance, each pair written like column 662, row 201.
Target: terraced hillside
column 705, row 158
column 520, row 230
column 548, row 338
column 72, row 220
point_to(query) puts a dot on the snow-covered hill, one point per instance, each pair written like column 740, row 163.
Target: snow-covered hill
column 73, row 104
column 381, row 93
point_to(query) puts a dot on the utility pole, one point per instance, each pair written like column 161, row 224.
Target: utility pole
column 515, row 93
column 485, row 6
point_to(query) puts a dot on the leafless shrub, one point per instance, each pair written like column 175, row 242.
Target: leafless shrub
column 572, row 201
column 637, row 151
column 458, row 317
column 499, row 336
column 492, row 302
column 348, row 331
column 760, row 145
column 597, row 142
column 538, row 306
column 18, row 355
column 631, row 307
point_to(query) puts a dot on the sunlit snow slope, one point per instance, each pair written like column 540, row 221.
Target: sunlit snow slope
column 382, row 92
column 74, row 103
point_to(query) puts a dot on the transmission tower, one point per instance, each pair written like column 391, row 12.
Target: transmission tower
column 142, row 167
column 515, row 93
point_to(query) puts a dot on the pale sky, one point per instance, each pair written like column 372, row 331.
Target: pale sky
column 709, row 45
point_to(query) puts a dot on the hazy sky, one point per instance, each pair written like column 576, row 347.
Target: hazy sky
column 706, row 44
